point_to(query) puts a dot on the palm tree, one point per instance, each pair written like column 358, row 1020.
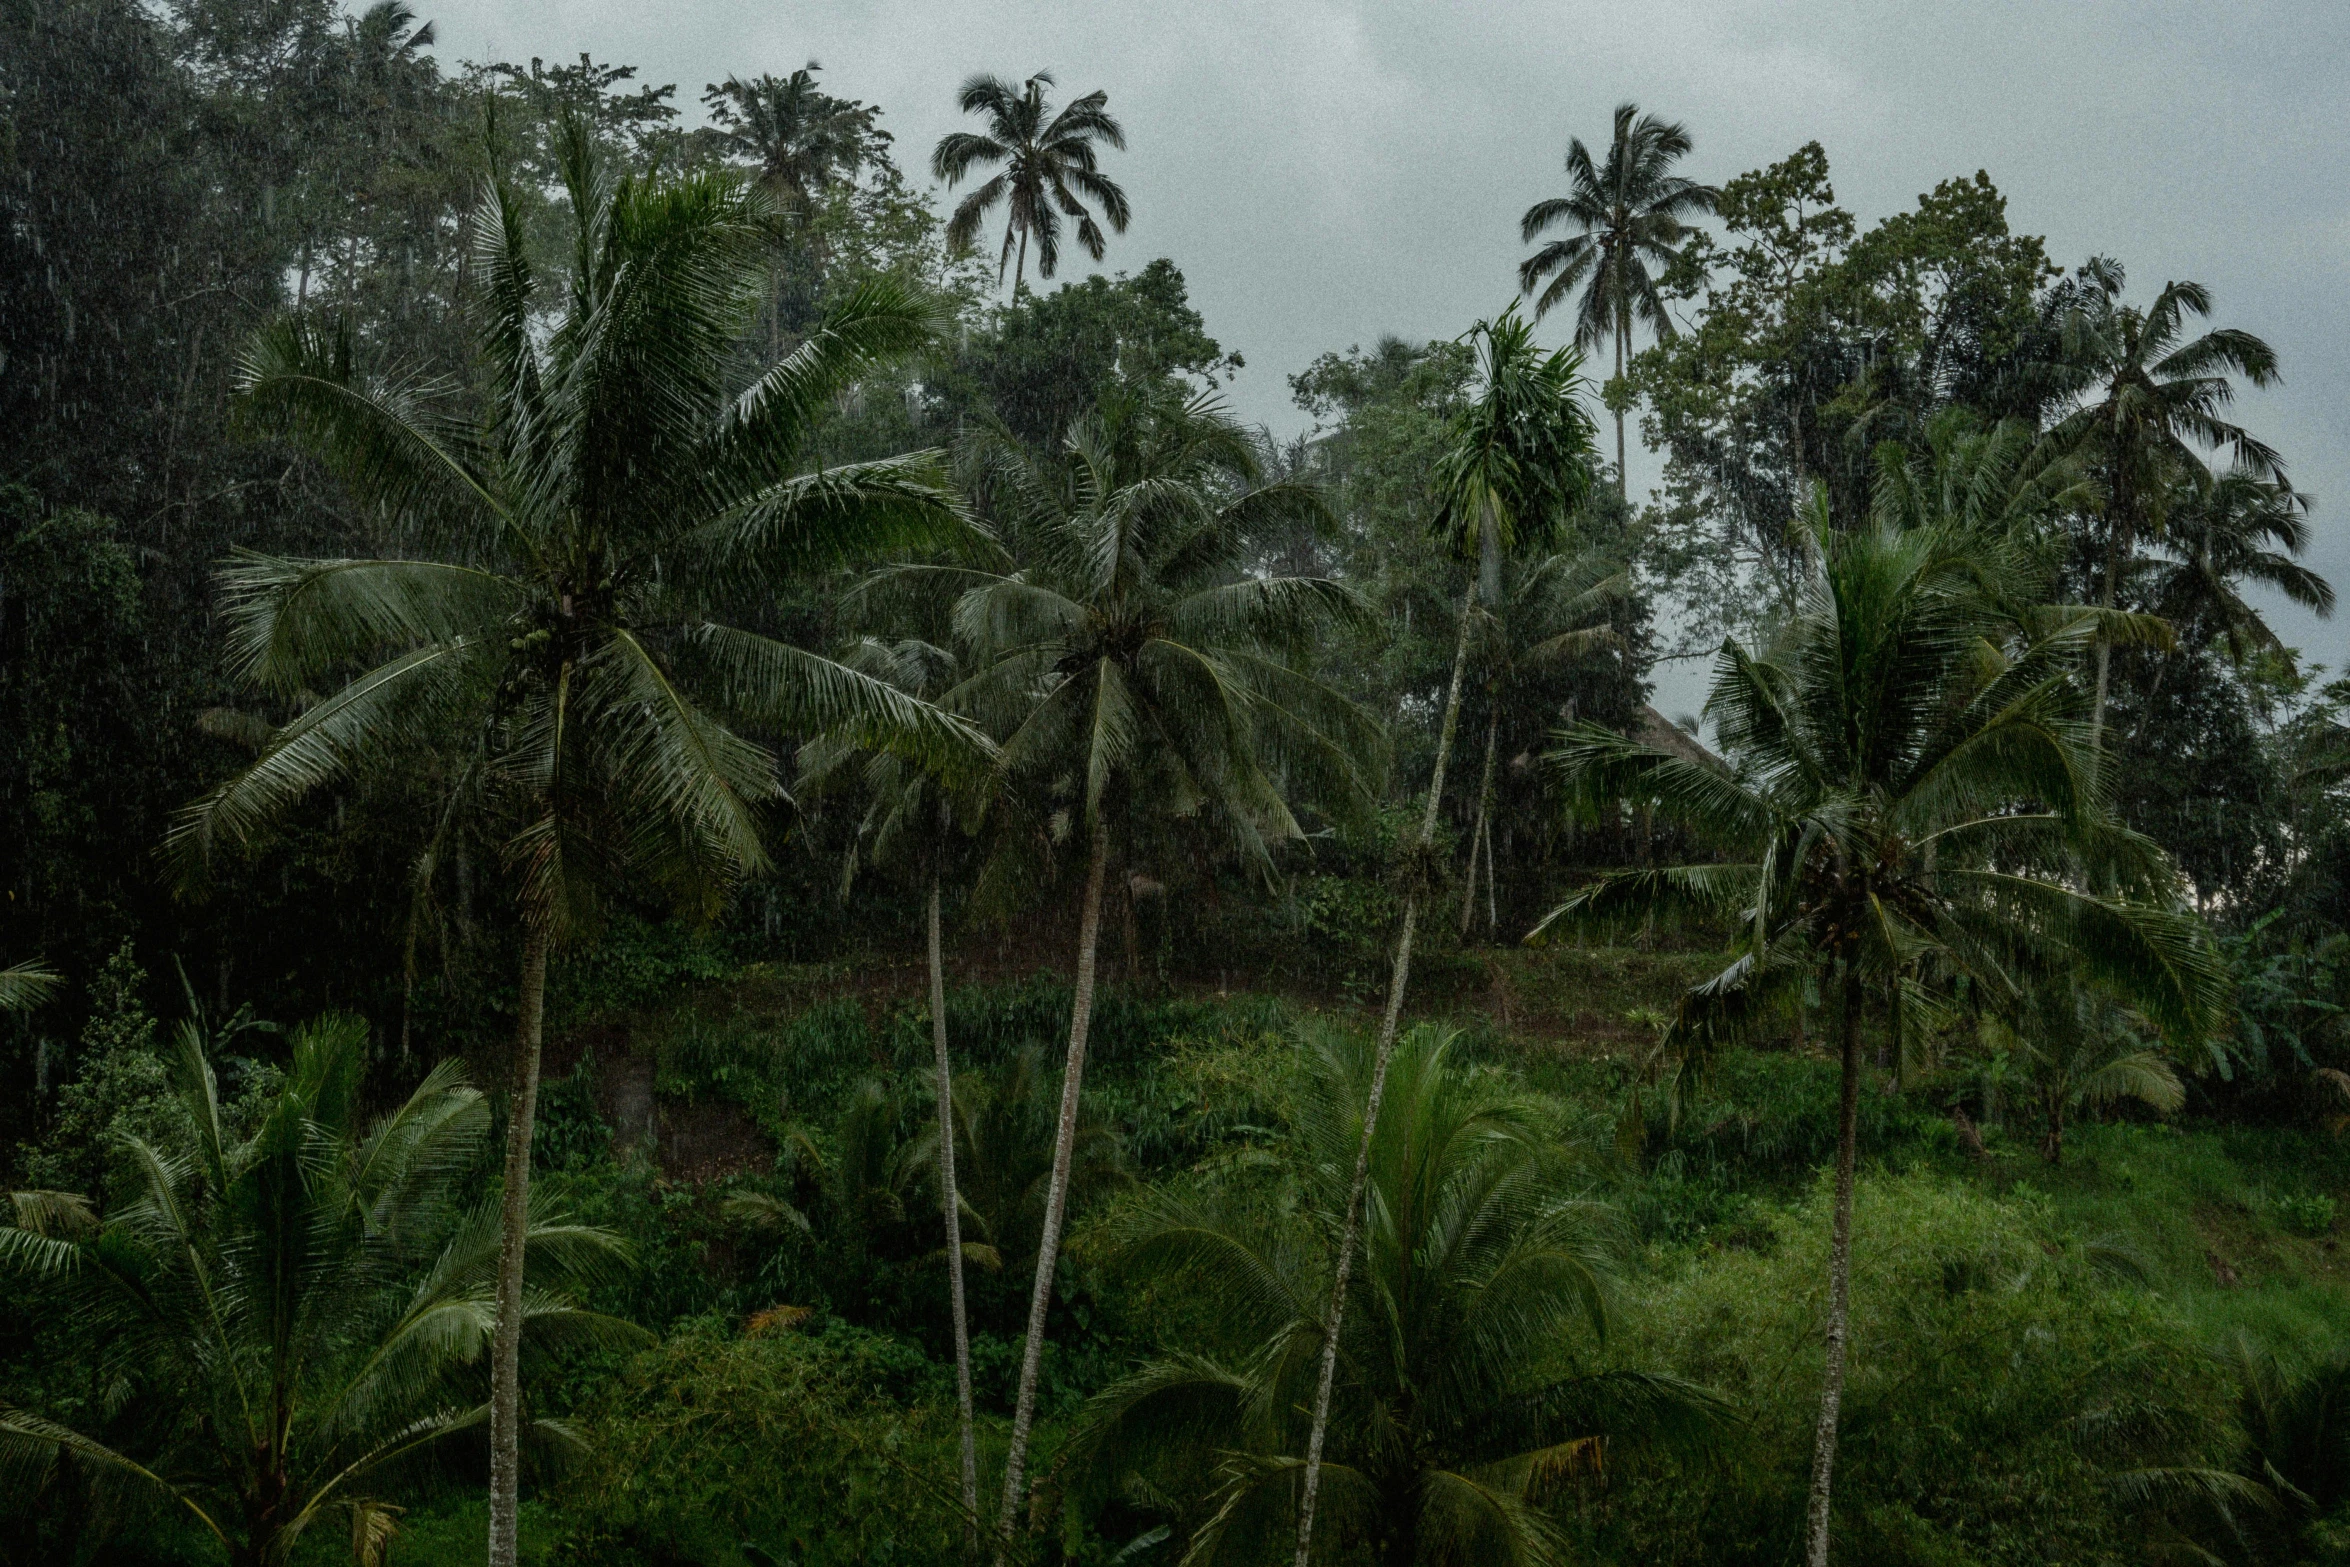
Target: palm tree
column 1050, row 169
column 801, row 139
column 1629, row 215
column 1555, row 612
column 1517, row 465
column 1914, row 799
column 561, row 655
column 1462, row 1405
column 2226, row 531
column 1139, row 676
column 306, row 1302
column 2075, row 1047
column 2153, row 399
column 911, row 817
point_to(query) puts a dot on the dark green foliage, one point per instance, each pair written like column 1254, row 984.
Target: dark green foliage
column 1046, row 359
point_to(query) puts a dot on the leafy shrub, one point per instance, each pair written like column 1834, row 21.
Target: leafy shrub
column 2306, row 1213
column 795, row 1444
column 1999, row 1382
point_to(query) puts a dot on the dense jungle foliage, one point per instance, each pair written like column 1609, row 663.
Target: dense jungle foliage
column 703, row 868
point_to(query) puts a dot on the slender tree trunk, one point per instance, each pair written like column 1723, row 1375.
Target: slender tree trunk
column 1020, row 272
column 951, row 1200
column 2052, row 1146
column 1397, row 980
column 1623, row 493
column 1492, row 904
column 514, row 1227
column 1484, row 808
column 2114, row 551
column 1823, row 1448
column 1048, row 1250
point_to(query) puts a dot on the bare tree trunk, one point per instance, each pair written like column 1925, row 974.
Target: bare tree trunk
column 1020, row 272
column 1484, row 806
column 1823, row 1448
column 950, row 1198
column 1397, row 980
column 514, row 1228
column 1048, row 1250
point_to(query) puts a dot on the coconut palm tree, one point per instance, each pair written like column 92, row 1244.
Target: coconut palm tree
column 1050, row 170
column 2073, row 1047
column 2228, row 531
column 2152, row 400
column 800, row 138
column 1517, row 465
column 1916, row 797
column 554, row 642
column 1629, row 215
column 911, row 818
column 310, row 1303
column 1139, row 676
column 1464, row 1403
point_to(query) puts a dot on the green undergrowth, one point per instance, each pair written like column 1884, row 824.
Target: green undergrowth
column 2025, row 1332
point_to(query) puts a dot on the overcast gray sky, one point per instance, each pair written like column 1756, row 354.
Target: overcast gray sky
column 1325, row 172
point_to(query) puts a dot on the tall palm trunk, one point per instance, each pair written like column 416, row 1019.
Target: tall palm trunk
column 950, row 1199
column 1359, row 1185
column 1048, row 1249
column 1623, row 330
column 1823, row 1447
column 1480, row 833
column 2115, row 549
column 513, row 1227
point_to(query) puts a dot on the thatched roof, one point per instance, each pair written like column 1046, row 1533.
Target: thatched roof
column 1654, row 729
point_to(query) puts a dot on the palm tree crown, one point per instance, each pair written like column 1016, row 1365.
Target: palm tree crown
column 1629, row 215
column 802, row 139
column 1050, row 169
column 564, row 648
column 2152, row 399
column 1132, row 668
column 1462, row 1401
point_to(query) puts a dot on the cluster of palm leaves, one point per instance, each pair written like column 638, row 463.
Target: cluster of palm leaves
column 1470, row 1396
column 290, row 1311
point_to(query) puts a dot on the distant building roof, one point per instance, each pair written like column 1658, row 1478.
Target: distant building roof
column 1654, row 729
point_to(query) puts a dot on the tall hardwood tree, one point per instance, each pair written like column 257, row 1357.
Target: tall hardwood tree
column 1629, row 214
column 1139, row 675
column 1517, row 465
column 560, row 650
column 1915, row 793
column 2153, row 400
column 1050, row 169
